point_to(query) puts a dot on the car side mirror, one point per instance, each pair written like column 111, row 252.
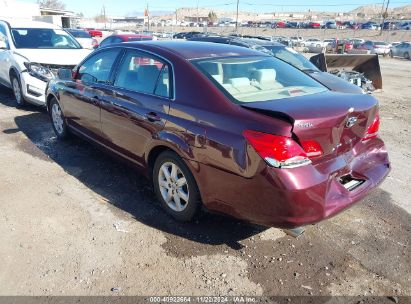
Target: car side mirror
column 64, row 74
column 3, row 45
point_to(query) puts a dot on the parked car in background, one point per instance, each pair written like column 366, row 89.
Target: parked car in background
column 291, row 57
column 314, row 42
column 296, row 40
column 389, row 25
column 94, row 33
column 370, row 26
column 331, row 25
column 376, row 47
column 124, row 38
column 401, row 50
column 314, row 25
column 185, row 35
column 30, row 54
column 292, row 24
column 84, row 38
column 224, row 127
column 406, row 25
column 280, row 24
column 356, row 42
column 333, row 44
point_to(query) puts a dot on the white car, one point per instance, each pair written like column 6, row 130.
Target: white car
column 314, row 42
column 30, row 55
column 84, row 38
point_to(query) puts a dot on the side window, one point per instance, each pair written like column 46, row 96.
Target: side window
column 143, row 73
column 97, row 68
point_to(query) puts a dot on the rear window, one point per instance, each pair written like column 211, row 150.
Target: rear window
column 254, row 79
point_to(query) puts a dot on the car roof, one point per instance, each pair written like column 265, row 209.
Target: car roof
column 127, row 36
column 21, row 23
column 195, row 49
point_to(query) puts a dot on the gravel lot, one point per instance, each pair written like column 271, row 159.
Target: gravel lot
column 74, row 221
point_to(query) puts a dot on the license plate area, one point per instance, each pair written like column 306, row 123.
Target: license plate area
column 350, row 183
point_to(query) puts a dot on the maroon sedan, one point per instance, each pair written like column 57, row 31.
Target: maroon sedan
column 224, row 127
column 124, row 38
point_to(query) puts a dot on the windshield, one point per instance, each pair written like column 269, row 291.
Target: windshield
column 292, row 57
column 42, row 38
column 80, row 34
column 261, row 78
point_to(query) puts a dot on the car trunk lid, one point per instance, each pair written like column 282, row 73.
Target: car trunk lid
column 337, row 122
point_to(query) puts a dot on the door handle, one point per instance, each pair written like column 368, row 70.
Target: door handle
column 153, row 117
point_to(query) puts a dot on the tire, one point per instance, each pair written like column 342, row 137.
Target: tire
column 57, row 120
column 406, row 55
column 391, row 54
column 177, row 191
column 17, row 91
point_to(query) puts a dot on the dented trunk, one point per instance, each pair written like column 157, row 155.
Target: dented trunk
column 337, row 122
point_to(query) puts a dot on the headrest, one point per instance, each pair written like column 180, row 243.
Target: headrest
column 238, row 82
column 265, row 75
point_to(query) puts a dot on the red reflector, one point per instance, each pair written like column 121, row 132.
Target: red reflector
column 372, row 130
column 278, row 151
column 312, row 148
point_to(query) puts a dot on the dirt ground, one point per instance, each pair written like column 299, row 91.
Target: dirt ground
column 74, row 221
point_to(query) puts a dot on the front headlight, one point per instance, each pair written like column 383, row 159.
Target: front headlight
column 39, row 71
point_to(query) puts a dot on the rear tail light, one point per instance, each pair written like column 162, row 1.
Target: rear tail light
column 277, row 151
column 372, row 130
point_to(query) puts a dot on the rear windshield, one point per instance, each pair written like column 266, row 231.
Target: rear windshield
column 80, row 34
column 254, row 79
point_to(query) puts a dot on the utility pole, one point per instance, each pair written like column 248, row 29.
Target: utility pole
column 384, row 15
column 147, row 13
column 197, row 11
column 236, row 18
column 104, row 16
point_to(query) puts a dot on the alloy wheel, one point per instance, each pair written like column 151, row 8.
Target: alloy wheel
column 57, row 118
column 173, row 186
column 17, row 91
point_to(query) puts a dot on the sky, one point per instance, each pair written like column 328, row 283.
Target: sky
column 126, row 7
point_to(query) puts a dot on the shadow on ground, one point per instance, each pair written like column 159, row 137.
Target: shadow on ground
column 119, row 184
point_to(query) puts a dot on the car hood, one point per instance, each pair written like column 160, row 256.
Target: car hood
column 335, row 83
column 53, row 56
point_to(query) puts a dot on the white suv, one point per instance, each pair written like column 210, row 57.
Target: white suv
column 30, row 55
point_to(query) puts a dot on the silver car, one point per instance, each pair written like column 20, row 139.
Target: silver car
column 376, row 47
column 401, row 50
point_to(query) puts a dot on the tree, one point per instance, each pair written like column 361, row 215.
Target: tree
column 212, row 16
column 100, row 19
column 53, row 4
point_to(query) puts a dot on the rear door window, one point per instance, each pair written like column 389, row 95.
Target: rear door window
column 144, row 73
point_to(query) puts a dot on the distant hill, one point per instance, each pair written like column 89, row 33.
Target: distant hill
column 368, row 10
